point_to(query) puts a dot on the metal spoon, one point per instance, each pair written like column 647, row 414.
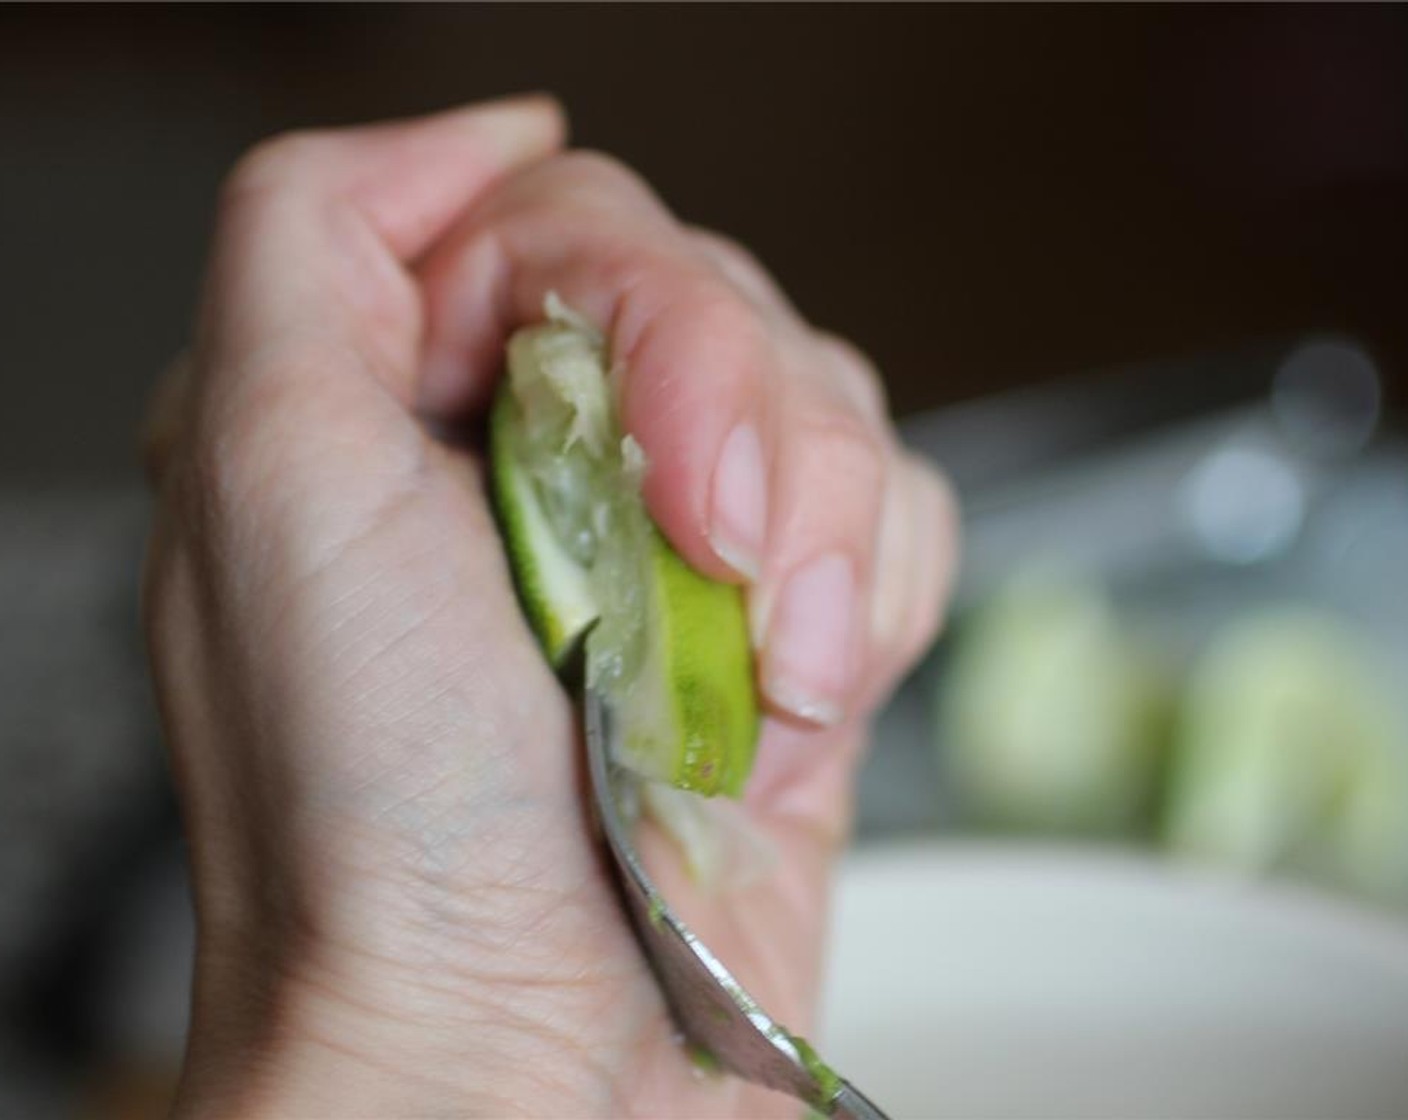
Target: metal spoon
column 708, row 1004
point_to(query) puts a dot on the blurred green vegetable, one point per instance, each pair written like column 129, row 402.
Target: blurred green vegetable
column 1054, row 713
column 1285, row 747
column 1291, row 753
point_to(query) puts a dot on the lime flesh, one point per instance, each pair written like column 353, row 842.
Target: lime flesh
column 668, row 648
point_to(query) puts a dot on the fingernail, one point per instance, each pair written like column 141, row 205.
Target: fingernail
column 807, row 661
column 739, row 518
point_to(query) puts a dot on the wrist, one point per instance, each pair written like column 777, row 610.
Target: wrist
column 372, row 991
column 321, row 1037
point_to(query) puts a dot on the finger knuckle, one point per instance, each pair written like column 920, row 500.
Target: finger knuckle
column 741, row 268
column 857, row 376
column 726, row 325
column 850, row 457
column 732, row 253
column 724, row 315
column 703, row 318
column 272, row 164
column 596, row 171
column 246, row 443
column 229, row 462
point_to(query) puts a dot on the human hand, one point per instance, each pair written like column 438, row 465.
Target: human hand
column 401, row 908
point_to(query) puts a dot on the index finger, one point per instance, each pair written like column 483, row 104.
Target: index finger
column 697, row 357
column 315, row 229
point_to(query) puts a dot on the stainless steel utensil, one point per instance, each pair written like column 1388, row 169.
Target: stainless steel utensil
column 708, row 1004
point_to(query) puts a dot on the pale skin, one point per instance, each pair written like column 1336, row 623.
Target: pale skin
column 402, row 911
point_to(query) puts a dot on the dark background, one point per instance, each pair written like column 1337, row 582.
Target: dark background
column 981, row 197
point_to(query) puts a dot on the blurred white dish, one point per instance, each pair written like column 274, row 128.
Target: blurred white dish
column 987, row 981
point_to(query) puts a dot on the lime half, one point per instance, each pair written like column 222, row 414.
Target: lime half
column 669, row 650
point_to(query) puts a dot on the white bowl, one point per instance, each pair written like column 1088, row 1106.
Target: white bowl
column 983, row 981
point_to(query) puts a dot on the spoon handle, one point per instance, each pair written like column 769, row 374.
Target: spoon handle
column 851, row 1104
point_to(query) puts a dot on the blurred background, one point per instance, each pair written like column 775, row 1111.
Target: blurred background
column 1136, row 276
